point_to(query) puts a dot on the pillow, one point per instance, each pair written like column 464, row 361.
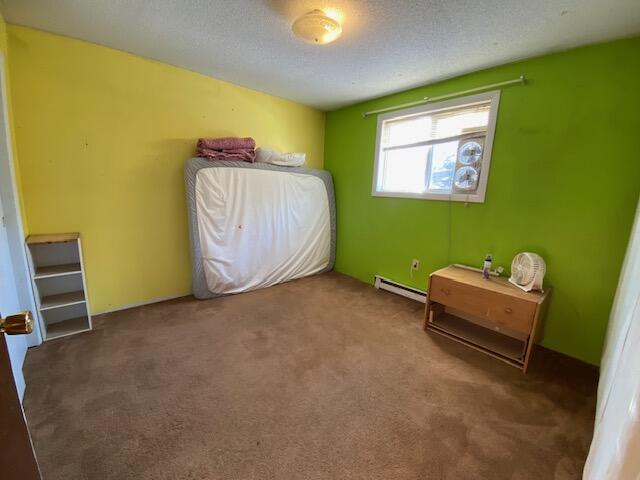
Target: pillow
column 268, row 155
column 264, row 154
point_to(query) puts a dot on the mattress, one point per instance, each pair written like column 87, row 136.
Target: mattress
column 253, row 225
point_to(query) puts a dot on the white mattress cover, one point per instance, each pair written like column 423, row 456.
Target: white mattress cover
column 258, row 227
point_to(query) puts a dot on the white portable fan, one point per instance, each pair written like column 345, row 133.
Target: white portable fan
column 527, row 271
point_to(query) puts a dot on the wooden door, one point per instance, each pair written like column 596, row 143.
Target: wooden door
column 17, row 458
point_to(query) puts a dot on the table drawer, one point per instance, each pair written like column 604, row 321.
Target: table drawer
column 503, row 310
column 513, row 313
column 459, row 296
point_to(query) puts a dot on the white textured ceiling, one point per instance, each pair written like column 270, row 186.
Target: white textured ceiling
column 387, row 45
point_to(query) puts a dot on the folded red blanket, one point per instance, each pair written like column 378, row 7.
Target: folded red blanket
column 227, row 143
column 244, row 154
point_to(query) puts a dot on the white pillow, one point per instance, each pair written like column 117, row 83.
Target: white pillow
column 268, row 155
column 264, row 154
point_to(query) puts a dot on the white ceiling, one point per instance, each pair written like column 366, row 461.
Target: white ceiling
column 387, row 45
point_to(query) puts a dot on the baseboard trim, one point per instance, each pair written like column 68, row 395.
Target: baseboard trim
column 383, row 283
column 142, row 304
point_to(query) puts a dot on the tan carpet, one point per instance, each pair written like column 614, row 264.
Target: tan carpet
column 321, row 378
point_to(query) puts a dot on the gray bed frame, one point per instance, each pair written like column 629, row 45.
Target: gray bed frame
column 191, row 169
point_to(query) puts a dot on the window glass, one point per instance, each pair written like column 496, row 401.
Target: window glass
column 443, row 162
column 404, row 170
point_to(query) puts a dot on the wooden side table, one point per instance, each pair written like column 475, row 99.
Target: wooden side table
column 490, row 315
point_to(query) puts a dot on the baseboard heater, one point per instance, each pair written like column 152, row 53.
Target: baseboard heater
column 383, row 283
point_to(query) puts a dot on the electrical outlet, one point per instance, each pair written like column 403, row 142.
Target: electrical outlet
column 415, row 264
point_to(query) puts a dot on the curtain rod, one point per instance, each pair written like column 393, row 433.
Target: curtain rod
column 518, row 81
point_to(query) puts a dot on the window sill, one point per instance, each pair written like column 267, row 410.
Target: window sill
column 447, row 197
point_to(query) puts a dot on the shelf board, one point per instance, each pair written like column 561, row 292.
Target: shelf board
column 52, row 238
column 62, row 300
column 483, row 338
column 67, row 327
column 57, row 270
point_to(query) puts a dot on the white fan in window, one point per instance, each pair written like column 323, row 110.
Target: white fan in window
column 469, row 160
column 466, row 179
column 527, row 271
column 470, row 152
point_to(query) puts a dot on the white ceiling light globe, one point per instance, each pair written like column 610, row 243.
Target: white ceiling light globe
column 317, row 28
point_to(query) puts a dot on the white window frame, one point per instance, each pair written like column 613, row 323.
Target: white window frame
column 479, row 194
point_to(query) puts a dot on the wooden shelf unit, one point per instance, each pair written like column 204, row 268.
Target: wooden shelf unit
column 489, row 315
column 59, row 284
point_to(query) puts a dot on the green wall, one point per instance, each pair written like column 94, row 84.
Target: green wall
column 564, row 182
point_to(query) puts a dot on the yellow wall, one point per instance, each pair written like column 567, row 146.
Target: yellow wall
column 102, row 137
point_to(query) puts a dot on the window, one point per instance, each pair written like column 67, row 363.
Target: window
column 439, row 151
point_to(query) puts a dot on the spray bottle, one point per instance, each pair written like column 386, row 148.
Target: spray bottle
column 486, row 267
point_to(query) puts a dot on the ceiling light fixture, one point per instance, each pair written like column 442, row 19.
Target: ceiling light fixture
column 317, row 27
